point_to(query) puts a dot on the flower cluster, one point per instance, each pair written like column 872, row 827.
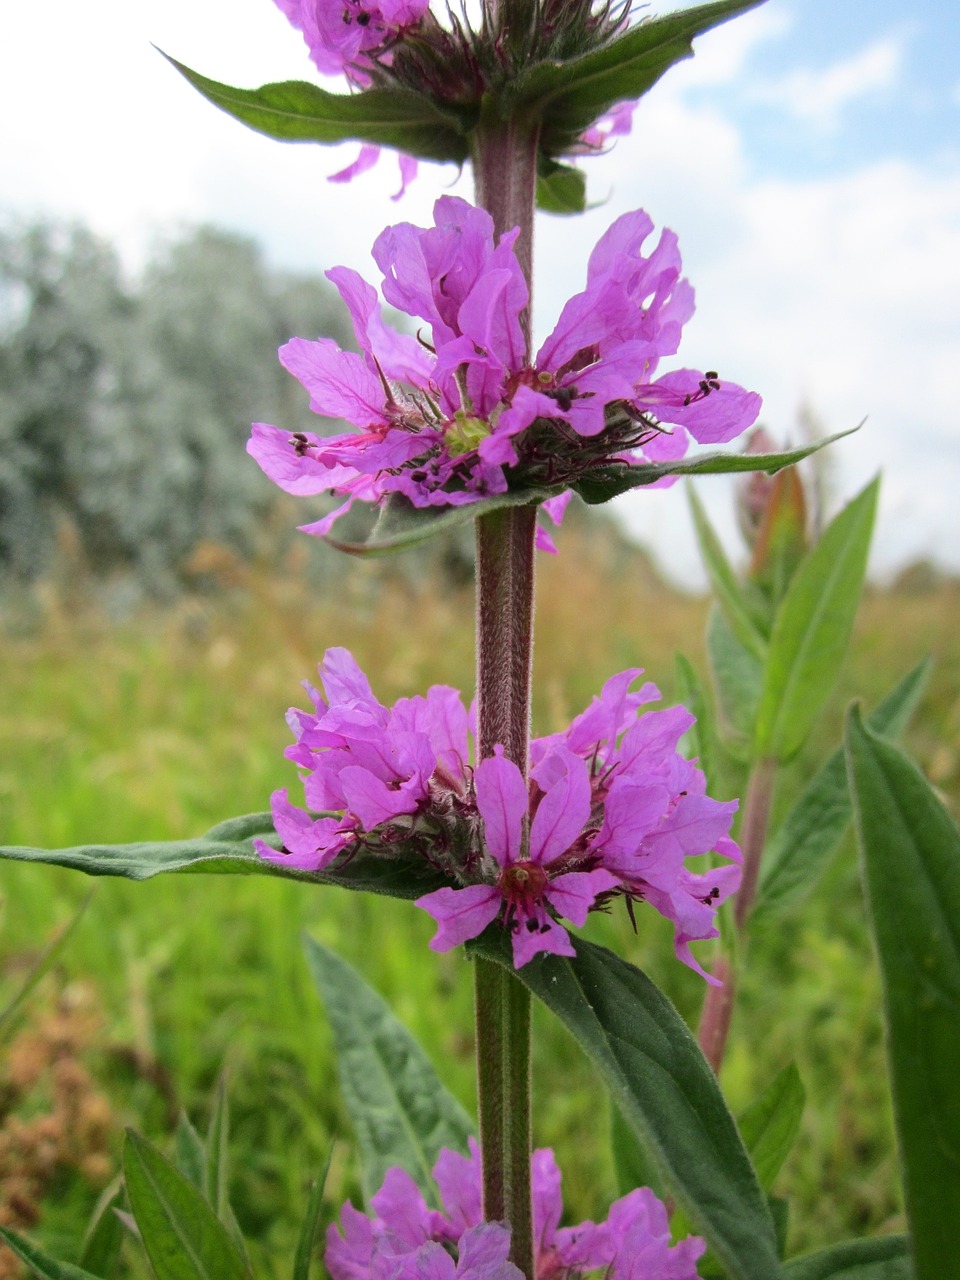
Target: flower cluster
column 612, row 809
column 408, row 1241
column 468, row 414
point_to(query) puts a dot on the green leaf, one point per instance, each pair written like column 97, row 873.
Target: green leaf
column 243, row 827
column 297, row 111
column 769, row 1125
column 401, row 1112
column 703, row 736
column 103, row 1240
column 630, row 1163
column 724, row 581
column 910, row 848
column 603, row 483
column 886, row 1258
column 560, row 188
column 311, row 1224
column 191, row 1153
column 800, row 849
column 41, row 1263
column 570, row 95
column 812, row 630
column 399, row 524
column 217, row 1164
column 180, row 1232
column 665, row 1090
column 42, row 966
column 738, row 678
column 400, row 876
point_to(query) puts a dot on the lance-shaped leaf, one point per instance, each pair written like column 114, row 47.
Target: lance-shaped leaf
column 887, row 1258
column 802, row 846
column 702, row 737
column 40, row 1263
column 910, row 848
column 726, row 587
column 738, row 677
column 180, row 1231
column 399, row 524
column 603, row 483
column 770, row 1124
column 297, row 111
column 103, row 1239
column 400, row 1110
column 665, row 1090
column 812, row 630
column 401, row 875
column 570, row 95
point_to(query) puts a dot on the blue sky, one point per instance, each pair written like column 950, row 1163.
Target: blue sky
column 808, row 158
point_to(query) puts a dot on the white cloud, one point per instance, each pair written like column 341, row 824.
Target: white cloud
column 818, row 97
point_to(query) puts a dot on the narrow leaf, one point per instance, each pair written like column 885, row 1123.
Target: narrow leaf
column 40, row 1263
column 42, row 966
column 180, row 1232
column 244, row 827
column 910, row 847
column 769, row 1125
column 886, row 1258
column 401, row 1112
column 703, row 735
column 738, row 678
column 311, row 1224
column 724, row 581
column 604, row 483
column 804, row 843
column 665, row 1090
column 217, row 1164
column 104, row 1236
column 812, row 630
column 297, row 111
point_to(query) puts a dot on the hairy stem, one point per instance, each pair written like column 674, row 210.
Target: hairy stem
column 505, row 172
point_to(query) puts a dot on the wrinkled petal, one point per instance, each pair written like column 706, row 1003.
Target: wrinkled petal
column 502, row 802
column 460, row 913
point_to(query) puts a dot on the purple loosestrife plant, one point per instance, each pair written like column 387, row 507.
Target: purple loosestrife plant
column 614, row 810
column 468, row 414
column 407, row 1238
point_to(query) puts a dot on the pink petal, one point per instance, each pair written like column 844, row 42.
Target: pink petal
column 460, row 913
column 502, row 801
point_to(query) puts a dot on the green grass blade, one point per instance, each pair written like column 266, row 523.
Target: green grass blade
column 104, row 1236
column 812, row 630
column 40, row 1263
column 180, row 1231
column 311, row 1224
column 802, row 846
column 665, row 1090
column 400, row 1110
column 48, row 957
column 910, row 848
column 887, row 1258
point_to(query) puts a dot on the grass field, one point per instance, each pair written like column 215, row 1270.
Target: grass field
column 162, row 726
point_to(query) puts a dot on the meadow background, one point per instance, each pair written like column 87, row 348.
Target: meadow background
column 164, row 724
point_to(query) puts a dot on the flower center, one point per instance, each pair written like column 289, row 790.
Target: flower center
column 464, row 433
column 522, row 885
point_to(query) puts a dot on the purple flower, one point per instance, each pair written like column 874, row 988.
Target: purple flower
column 352, row 37
column 612, row 809
column 468, row 414
column 406, row 1240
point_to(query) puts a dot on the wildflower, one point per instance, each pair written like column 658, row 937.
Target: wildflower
column 468, row 415
column 406, row 1237
column 352, row 37
column 612, row 809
